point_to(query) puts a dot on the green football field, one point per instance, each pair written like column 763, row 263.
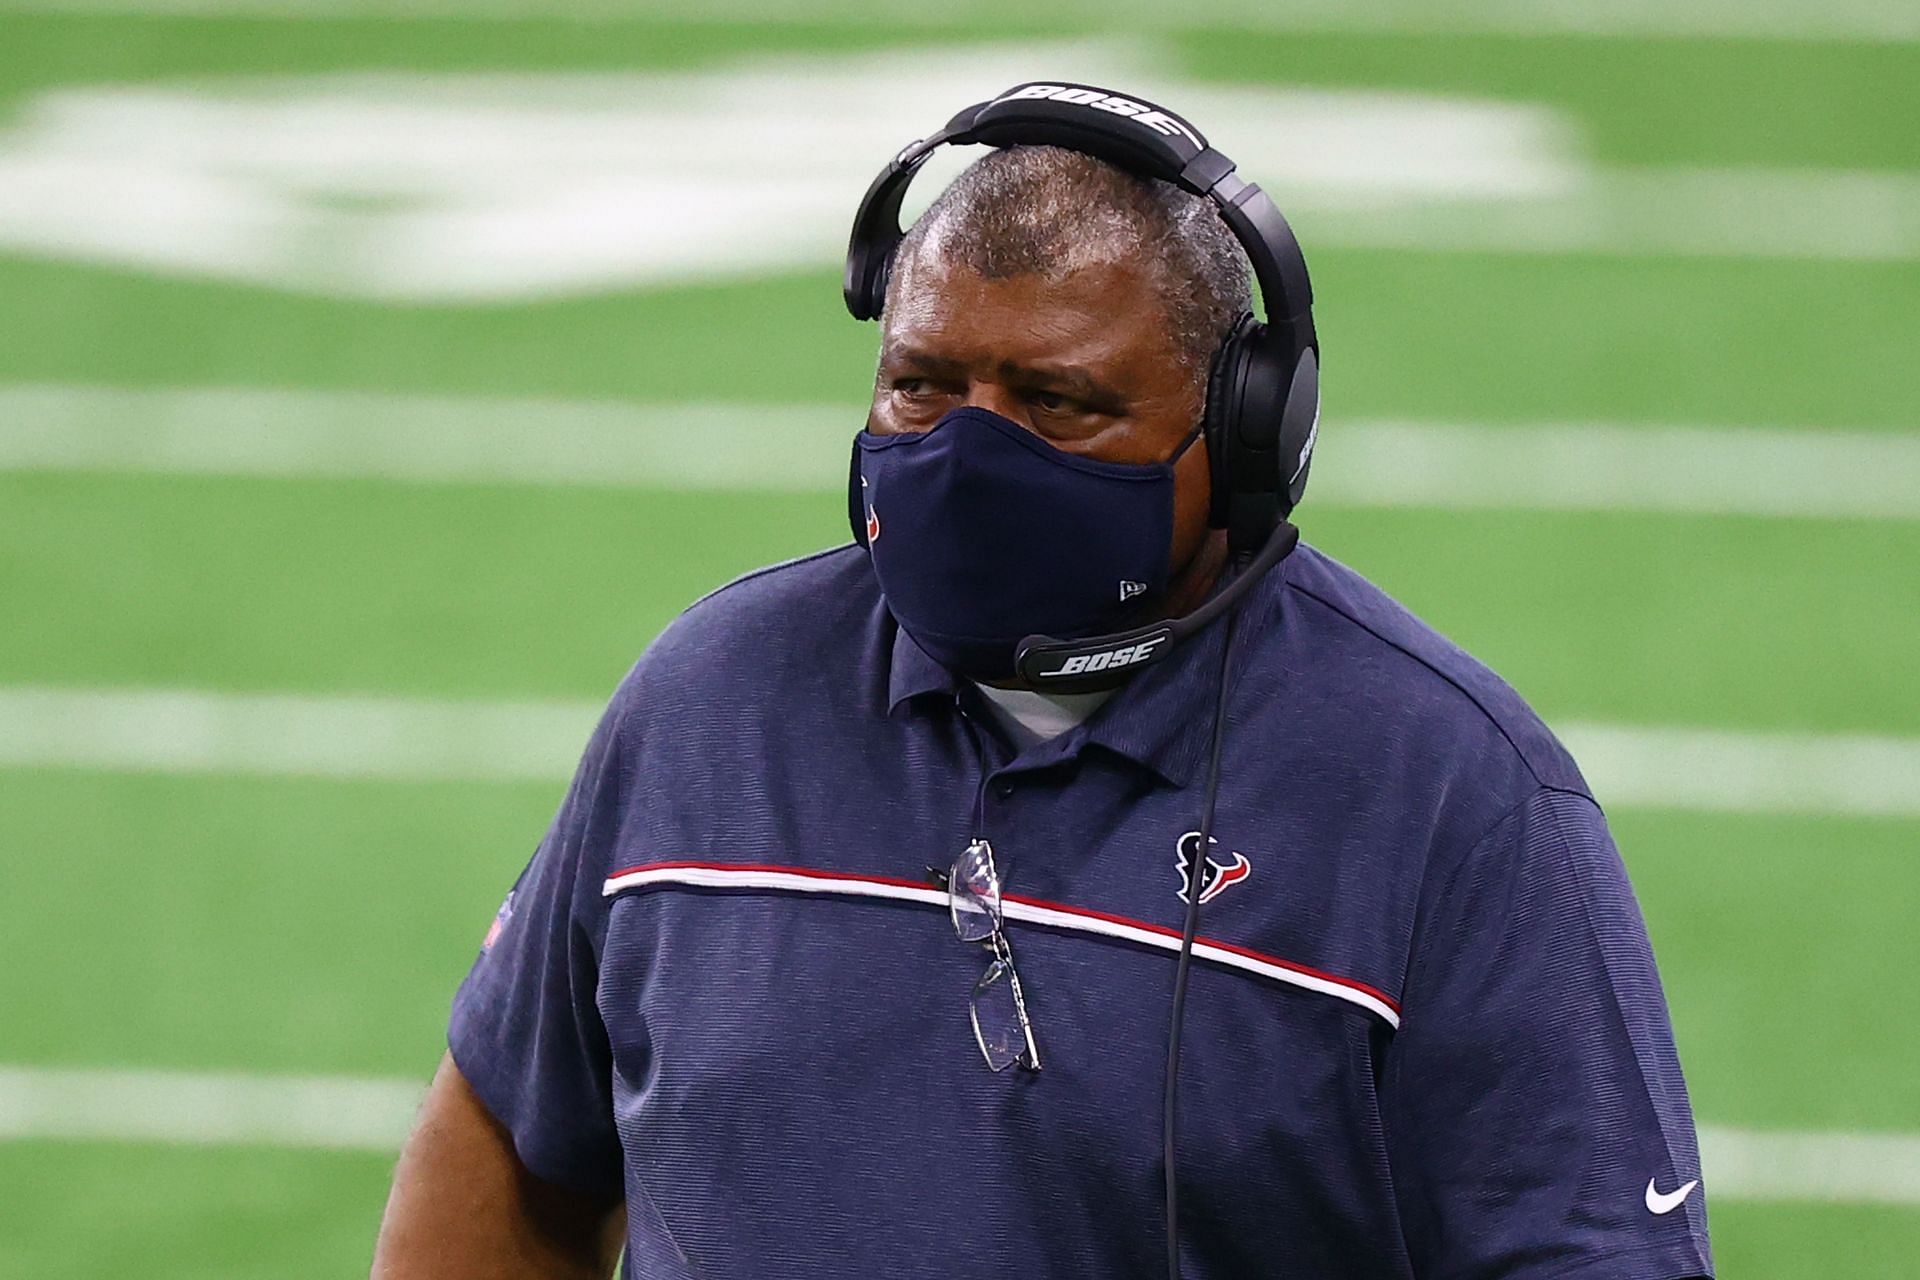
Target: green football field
column 261, row 276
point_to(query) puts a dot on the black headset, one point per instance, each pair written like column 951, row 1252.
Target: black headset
column 1263, row 391
column 1261, row 419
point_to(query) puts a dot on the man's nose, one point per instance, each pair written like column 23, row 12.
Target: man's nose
column 997, row 398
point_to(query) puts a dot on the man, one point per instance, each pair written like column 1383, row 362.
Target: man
column 724, row 1020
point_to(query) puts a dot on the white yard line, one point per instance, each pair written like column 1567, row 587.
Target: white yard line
column 199, row 732
column 276, row 735
column 1719, row 770
column 1649, row 211
column 335, row 1113
column 1555, row 466
column 223, row 431
column 1874, row 21
column 338, row 1113
column 1594, row 466
column 1857, row 1168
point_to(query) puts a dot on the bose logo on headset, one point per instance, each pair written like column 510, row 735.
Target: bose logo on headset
column 1152, row 117
column 1306, row 450
column 1083, row 664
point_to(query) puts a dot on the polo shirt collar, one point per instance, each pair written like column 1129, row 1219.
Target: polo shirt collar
column 915, row 672
column 1161, row 719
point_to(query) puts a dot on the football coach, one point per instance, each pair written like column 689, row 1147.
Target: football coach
column 1076, row 876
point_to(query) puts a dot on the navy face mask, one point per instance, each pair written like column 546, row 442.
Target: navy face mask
column 983, row 534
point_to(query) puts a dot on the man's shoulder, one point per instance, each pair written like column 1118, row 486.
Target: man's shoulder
column 1392, row 663
column 772, row 594
column 786, row 624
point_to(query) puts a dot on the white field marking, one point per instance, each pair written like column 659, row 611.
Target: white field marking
column 199, row 732
column 499, row 188
column 186, row 731
column 1854, row 1168
column 1594, row 466
column 1716, row 769
column 337, row 1113
column 1757, row 471
column 493, row 187
column 1828, row 214
column 247, row 432
column 1875, row 21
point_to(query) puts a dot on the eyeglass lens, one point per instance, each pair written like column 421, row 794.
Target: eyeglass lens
column 973, row 893
column 998, row 1022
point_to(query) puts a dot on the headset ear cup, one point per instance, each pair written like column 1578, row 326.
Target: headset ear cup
column 877, row 282
column 1225, row 378
column 865, row 284
column 1300, row 427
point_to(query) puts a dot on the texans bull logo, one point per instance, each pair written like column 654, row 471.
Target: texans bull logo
column 1217, row 875
column 873, row 518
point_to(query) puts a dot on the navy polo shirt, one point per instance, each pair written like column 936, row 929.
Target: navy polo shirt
column 1424, row 1034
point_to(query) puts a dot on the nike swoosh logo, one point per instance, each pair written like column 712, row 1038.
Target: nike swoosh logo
column 1657, row 1203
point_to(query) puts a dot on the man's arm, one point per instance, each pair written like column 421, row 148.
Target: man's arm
column 463, row 1205
column 1533, row 1093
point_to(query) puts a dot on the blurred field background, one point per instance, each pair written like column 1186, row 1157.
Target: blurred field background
column 377, row 378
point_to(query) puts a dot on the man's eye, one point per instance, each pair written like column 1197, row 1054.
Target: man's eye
column 1050, row 401
column 910, row 386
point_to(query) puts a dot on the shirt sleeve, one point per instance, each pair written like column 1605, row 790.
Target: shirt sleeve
column 1536, row 1119
column 525, row 1029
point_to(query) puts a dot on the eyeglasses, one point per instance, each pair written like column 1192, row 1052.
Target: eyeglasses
column 999, row 1007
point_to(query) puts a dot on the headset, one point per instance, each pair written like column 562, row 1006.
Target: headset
column 1261, row 420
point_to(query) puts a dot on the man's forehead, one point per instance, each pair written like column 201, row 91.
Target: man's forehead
column 1101, row 268
column 1086, row 314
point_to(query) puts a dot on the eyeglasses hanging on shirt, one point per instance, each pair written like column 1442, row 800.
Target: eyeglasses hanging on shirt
column 1001, row 1026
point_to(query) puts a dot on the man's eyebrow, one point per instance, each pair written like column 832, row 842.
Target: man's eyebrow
column 1073, row 379
column 922, row 360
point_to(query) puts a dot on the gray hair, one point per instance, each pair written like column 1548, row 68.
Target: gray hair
column 1033, row 210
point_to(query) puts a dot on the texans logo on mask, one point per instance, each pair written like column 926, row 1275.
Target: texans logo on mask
column 1217, row 876
column 873, row 517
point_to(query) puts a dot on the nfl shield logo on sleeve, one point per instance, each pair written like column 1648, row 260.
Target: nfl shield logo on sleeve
column 499, row 924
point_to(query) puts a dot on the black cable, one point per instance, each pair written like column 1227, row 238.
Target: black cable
column 1196, row 884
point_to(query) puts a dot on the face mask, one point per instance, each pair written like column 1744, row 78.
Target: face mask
column 983, row 534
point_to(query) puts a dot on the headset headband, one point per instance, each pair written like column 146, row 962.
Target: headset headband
column 1133, row 134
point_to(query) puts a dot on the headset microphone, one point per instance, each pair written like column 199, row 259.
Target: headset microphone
column 1076, row 666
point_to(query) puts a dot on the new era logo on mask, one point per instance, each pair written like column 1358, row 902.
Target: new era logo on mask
column 1129, row 589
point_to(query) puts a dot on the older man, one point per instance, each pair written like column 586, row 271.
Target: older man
column 855, row 945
